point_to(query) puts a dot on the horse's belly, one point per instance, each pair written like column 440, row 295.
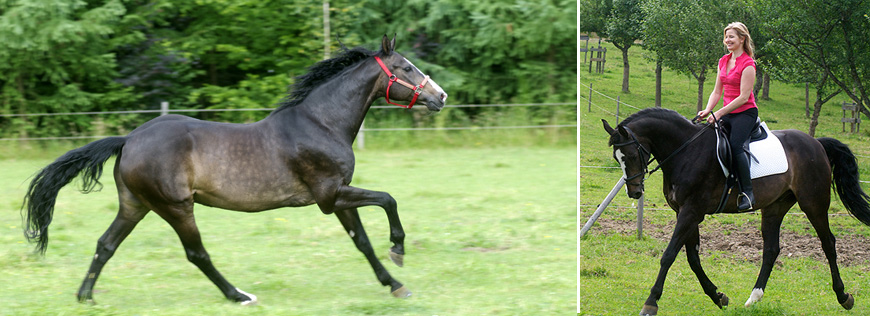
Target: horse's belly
column 253, row 194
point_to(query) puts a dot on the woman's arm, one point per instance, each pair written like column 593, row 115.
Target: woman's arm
column 714, row 97
column 747, row 82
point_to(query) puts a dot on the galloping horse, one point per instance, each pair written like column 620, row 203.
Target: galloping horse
column 693, row 183
column 299, row 155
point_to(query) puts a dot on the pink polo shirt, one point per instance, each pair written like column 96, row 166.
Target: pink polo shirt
column 731, row 80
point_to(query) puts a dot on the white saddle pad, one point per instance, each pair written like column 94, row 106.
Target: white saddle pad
column 770, row 154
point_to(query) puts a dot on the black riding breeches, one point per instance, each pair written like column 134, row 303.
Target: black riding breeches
column 739, row 125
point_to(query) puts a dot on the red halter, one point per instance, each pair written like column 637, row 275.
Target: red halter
column 417, row 89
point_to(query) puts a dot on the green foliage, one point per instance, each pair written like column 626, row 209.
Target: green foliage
column 829, row 35
column 62, row 56
column 57, row 57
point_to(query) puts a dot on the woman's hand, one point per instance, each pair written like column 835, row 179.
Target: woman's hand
column 713, row 118
column 703, row 113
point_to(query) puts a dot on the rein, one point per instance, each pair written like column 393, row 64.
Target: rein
column 392, row 77
column 640, row 147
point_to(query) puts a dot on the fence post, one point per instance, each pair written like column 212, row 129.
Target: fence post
column 361, row 137
column 640, row 217
column 602, row 206
column 164, row 108
column 590, row 98
column 617, row 110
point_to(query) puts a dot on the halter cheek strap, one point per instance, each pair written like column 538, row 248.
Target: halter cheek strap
column 416, row 89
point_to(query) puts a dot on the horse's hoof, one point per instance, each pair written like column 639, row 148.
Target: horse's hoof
column 251, row 301
column 402, row 292
column 88, row 301
column 723, row 300
column 649, row 310
column 849, row 303
column 398, row 259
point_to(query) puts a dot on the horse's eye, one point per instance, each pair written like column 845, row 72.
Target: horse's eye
column 407, row 68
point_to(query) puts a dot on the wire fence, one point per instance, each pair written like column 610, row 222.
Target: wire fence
column 361, row 136
column 590, row 104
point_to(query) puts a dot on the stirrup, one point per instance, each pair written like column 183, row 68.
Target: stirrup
column 748, row 200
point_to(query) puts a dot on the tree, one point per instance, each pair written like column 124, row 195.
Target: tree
column 623, row 28
column 619, row 21
column 687, row 35
column 57, row 56
column 787, row 65
column 830, row 34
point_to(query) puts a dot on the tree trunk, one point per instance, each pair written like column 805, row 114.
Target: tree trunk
column 701, row 79
column 659, row 82
column 765, row 87
column 807, row 99
column 814, row 121
column 625, row 68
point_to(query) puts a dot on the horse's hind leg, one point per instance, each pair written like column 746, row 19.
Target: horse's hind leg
column 693, row 245
column 771, row 220
column 819, row 219
column 182, row 220
column 130, row 212
column 350, row 220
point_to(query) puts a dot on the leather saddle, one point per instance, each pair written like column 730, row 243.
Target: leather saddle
column 723, row 149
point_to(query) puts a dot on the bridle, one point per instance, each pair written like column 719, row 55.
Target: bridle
column 392, row 77
column 639, row 147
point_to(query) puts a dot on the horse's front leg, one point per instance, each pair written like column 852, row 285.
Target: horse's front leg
column 693, row 246
column 352, row 197
column 687, row 222
column 344, row 203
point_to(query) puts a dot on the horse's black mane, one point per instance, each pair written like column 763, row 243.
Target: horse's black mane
column 322, row 72
column 661, row 113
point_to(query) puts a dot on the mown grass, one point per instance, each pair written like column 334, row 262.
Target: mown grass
column 490, row 231
column 616, row 271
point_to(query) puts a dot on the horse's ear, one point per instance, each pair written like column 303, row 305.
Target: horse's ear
column 607, row 127
column 387, row 45
column 622, row 132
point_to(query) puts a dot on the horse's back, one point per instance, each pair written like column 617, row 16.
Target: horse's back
column 231, row 166
column 808, row 163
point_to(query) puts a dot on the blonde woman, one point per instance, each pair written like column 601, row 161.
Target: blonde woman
column 734, row 84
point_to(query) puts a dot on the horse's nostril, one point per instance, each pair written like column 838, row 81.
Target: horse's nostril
column 443, row 97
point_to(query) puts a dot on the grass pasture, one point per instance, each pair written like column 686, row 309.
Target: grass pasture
column 490, row 231
column 616, row 271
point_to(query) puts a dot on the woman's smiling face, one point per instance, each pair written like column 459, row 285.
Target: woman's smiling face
column 732, row 41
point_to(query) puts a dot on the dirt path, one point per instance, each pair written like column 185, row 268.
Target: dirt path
column 744, row 242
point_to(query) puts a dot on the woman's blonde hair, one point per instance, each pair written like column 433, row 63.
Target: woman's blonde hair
column 743, row 32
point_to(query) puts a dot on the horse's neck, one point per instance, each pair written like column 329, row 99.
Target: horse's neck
column 340, row 104
column 666, row 137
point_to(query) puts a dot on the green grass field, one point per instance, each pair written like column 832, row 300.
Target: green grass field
column 616, row 270
column 490, row 231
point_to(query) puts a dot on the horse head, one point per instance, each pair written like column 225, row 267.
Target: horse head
column 631, row 155
column 412, row 85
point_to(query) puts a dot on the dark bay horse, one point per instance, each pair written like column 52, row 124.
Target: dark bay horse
column 693, row 184
column 299, row 155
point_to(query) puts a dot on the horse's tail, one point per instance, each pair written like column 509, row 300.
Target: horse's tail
column 845, row 170
column 41, row 194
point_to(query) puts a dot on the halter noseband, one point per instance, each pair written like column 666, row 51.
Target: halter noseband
column 416, row 89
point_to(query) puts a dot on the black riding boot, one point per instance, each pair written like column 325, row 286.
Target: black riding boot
column 746, row 200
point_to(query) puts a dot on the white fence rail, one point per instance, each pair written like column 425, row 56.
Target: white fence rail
column 360, row 137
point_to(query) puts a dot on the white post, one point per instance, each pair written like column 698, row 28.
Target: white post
column 603, row 205
column 164, row 108
column 640, row 217
column 361, row 136
column 325, row 29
